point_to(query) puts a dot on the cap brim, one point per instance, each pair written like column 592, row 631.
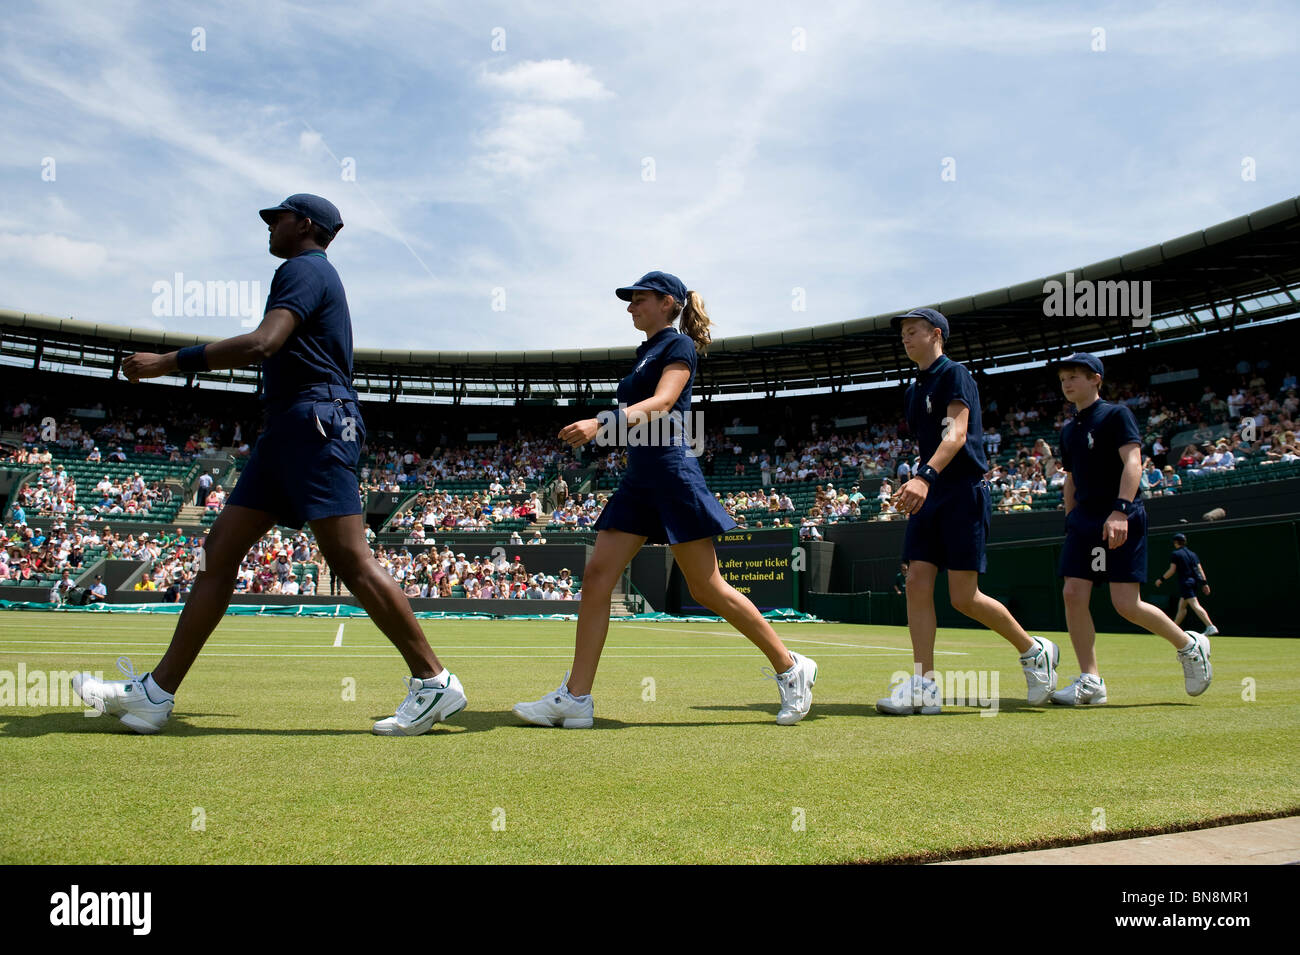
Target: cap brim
column 268, row 215
column 897, row 321
column 626, row 293
column 1066, row 363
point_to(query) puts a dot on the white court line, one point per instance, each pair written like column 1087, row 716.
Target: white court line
column 792, row 638
column 738, row 648
column 170, row 620
column 867, row 646
column 324, row 655
column 338, row 637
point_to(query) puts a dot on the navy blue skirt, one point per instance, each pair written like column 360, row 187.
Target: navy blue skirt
column 666, row 501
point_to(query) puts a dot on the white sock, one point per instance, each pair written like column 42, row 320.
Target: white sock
column 441, row 679
column 154, row 692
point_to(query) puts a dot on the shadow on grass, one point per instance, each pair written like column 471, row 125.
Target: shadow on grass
column 44, row 724
column 1009, row 705
column 65, row 723
column 600, row 723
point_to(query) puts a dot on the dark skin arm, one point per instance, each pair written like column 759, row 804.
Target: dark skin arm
column 238, row 352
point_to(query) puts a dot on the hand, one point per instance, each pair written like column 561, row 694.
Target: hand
column 1115, row 531
column 911, row 496
column 1159, row 581
column 145, row 365
column 1205, row 589
column 580, row 432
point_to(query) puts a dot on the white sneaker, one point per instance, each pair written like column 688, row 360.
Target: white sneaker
column 1211, row 631
column 125, row 699
column 912, row 695
column 560, row 708
column 1040, row 670
column 795, row 686
column 1197, row 672
column 426, row 703
column 1086, row 690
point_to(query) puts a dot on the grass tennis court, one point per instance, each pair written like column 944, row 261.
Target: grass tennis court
column 283, row 768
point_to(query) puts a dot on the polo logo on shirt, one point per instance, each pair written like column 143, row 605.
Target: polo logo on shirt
column 642, row 365
column 929, row 407
column 1090, row 441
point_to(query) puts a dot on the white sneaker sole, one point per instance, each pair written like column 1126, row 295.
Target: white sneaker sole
column 568, row 723
column 888, row 708
column 141, row 725
column 1097, row 700
column 420, row 728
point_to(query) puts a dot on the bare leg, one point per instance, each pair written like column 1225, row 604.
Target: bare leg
column 237, row 529
column 699, row 563
column 613, row 551
column 921, row 620
column 1127, row 598
column 343, row 542
column 1182, row 611
column 964, row 591
column 1078, row 620
column 1200, row 611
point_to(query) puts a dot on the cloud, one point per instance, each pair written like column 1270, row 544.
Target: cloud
column 550, row 80
column 527, row 138
column 309, row 140
column 775, row 167
column 54, row 252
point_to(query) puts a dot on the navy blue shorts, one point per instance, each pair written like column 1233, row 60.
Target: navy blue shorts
column 666, row 503
column 1187, row 587
column 951, row 528
column 1084, row 546
column 297, row 472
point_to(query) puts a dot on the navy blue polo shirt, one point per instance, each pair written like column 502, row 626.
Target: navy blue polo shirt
column 1090, row 443
column 664, row 348
column 320, row 348
column 652, row 356
column 1187, row 564
column 927, row 401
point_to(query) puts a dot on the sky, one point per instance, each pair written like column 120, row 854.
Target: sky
column 502, row 167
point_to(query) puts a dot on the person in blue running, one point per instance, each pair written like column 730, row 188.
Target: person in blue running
column 948, row 507
column 663, row 499
column 1106, row 531
column 1187, row 567
column 302, row 470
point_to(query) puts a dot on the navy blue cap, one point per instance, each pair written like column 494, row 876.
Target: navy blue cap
column 318, row 210
column 1082, row 358
column 930, row 315
column 1180, row 536
column 661, row 282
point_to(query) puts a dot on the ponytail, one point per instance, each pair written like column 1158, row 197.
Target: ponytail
column 695, row 322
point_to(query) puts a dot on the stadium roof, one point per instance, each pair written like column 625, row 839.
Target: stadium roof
column 1234, row 274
